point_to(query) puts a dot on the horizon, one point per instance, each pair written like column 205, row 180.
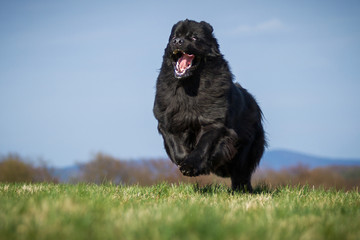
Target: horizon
column 41, row 161
column 77, row 79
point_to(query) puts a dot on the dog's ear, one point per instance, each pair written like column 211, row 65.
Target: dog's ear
column 207, row 26
column 214, row 45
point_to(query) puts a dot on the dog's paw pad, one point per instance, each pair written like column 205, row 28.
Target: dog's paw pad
column 189, row 170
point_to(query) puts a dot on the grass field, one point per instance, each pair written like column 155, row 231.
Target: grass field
column 49, row 211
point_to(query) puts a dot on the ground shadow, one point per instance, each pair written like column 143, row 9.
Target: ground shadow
column 219, row 188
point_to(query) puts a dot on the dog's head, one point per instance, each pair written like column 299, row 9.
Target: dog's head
column 190, row 43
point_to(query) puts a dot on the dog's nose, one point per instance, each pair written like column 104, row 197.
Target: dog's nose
column 178, row 41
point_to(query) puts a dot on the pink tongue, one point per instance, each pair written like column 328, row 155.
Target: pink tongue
column 185, row 61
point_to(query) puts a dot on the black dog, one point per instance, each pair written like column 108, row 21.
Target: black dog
column 209, row 124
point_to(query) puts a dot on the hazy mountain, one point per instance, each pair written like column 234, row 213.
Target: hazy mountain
column 65, row 174
column 278, row 159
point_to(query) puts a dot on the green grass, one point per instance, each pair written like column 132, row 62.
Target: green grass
column 48, row 211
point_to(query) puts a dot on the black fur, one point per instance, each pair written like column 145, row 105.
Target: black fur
column 209, row 124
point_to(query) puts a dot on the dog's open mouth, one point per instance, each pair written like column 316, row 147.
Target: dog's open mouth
column 182, row 63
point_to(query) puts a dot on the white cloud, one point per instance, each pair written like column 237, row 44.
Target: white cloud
column 272, row 25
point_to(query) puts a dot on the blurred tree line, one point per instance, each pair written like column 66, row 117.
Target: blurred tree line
column 103, row 168
column 15, row 169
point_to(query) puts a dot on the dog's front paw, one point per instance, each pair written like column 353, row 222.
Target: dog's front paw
column 188, row 169
column 192, row 167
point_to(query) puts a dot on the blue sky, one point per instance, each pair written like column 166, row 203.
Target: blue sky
column 78, row 77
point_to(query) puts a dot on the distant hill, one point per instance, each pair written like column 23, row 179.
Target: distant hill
column 65, row 174
column 278, row 159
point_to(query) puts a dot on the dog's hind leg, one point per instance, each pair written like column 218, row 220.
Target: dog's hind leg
column 246, row 162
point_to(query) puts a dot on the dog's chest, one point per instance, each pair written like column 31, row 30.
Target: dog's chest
column 183, row 113
column 186, row 112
